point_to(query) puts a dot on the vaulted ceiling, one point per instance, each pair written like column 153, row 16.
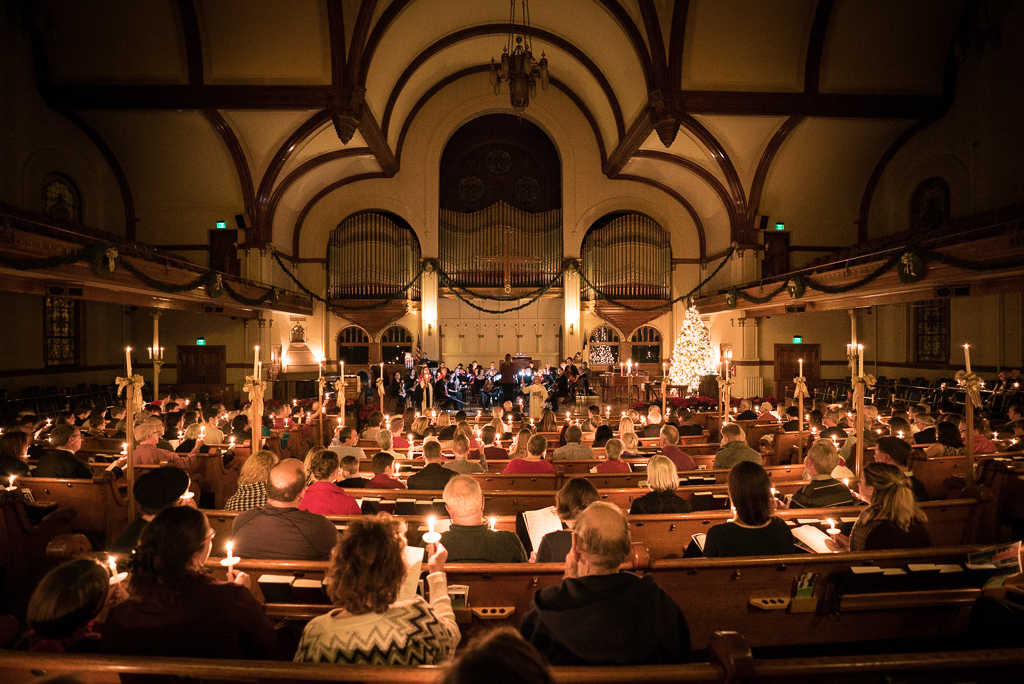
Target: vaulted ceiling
column 722, row 106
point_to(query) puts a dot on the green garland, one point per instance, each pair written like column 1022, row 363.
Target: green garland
column 104, row 259
column 344, row 307
column 447, row 281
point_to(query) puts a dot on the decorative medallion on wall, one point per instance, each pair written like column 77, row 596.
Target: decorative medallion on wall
column 527, row 189
column 499, row 162
column 471, row 189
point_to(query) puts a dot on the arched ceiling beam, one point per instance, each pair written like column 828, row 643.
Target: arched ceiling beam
column 652, row 26
column 761, row 174
column 677, row 38
column 498, row 29
column 816, row 45
column 193, row 42
column 700, row 172
column 359, row 34
column 262, row 227
column 336, row 27
column 721, row 157
column 306, row 167
column 678, row 198
column 481, row 68
column 324, row 192
column 219, row 124
column 394, row 9
column 876, row 175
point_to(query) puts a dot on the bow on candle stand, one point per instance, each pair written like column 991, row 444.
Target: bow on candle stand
column 971, row 383
column 137, row 381
column 255, row 387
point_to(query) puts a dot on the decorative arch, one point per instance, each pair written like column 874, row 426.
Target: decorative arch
column 353, row 345
column 395, row 342
column 62, row 198
column 645, row 345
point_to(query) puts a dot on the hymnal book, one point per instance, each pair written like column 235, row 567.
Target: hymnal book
column 541, row 522
column 810, row 538
column 309, row 591
column 413, row 557
column 1005, row 558
column 277, row 588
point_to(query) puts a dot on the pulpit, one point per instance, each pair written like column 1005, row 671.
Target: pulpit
column 617, row 388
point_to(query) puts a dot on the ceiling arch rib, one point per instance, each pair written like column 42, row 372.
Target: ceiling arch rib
column 306, row 167
column 763, row 166
column 327, row 190
column 700, row 172
column 671, row 192
column 719, row 154
column 224, row 130
column 497, row 29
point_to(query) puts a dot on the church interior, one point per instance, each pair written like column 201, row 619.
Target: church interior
column 346, row 188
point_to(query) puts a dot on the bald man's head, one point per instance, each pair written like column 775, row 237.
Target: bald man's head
column 286, row 482
column 601, row 534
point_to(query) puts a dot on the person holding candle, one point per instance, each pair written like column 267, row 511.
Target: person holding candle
column 62, row 461
column 755, row 531
column 371, row 624
column 536, row 445
column 823, row 490
column 148, row 453
column 345, row 441
column 68, row 607
column 537, row 394
column 489, row 450
column 948, row 441
column 176, row 609
column 520, row 448
column 892, row 520
column 14, row 453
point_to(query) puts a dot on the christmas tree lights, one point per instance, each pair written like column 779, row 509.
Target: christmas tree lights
column 693, row 355
column 600, row 349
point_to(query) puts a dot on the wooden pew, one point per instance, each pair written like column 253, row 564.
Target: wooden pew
column 935, row 470
column 214, row 477
column 100, row 505
column 730, row 660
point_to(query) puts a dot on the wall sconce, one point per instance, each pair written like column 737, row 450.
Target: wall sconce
column 572, row 328
column 430, row 329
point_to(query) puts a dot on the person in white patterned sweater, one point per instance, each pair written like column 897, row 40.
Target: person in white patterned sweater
column 370, row 626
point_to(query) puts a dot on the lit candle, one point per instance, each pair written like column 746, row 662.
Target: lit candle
column 801, row 371
column 835, row 442
column 124, row 448
column 232, row 442
column 493, row 522
column 899, row 433
column 128, row 360
column 773, row 492
column 256, row 360
column 608, row 411
column 860, row 360
column 967, row 357
column 431, row 537
column 10, row 483
column 567, row 415
column 832, row 529
column 846, row 481
column 531, row 422
column 231, row 559
column 115, row 576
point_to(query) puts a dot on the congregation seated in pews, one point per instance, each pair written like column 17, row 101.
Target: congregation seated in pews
column 589, row 597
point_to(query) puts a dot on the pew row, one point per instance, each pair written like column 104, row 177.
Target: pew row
column 100, row 504
column 754, row 596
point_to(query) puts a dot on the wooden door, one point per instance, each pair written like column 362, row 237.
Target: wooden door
column 224, row 252
column 202, row 365
column 787, row 364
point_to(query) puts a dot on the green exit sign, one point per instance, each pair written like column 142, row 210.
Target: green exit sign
column 797, row 339
column 201, row 341
column 221, row 225
column 778, row 226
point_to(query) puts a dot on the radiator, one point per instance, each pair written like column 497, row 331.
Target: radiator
column 753, row 387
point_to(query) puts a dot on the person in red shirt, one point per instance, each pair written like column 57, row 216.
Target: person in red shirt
column 532, row 464
column 670, row 448
column 383, row 465
column 397, row 440
column 491, row 452
column 613, row 448
column 324, row 496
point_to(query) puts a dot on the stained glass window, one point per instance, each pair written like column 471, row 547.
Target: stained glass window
column 646, row 345
column 931, row 331
column 60, row 332
column 61, row 199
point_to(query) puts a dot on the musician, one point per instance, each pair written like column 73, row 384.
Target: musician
column 396, row 390
column 508, row 378
column 454, row 387
column 490, row 392
column 441, row 396
column 561, row 387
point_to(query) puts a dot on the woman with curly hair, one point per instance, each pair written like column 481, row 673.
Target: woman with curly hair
column 252, row 482
column 892, row 520
column 176, row 609
column 370, row 625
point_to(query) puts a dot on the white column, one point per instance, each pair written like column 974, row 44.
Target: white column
column 429, row 334
column 573, row 334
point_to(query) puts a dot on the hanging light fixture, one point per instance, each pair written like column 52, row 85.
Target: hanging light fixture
column 517, row 67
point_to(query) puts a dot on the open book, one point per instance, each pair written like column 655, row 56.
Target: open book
column 539, row 523
column 413, row 557
column 811, row 538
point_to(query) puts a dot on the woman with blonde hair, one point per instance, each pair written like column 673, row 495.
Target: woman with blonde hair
column 547, row 422
column 252, row 482
column 522, row 439
column 308, row 462
column 463, row 429
column 626, row 426
column 630, row 445
column 892, row 520
column 419, row 427
column 371, row 624
column 663, row 481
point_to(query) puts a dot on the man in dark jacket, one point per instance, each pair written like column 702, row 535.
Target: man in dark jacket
column 600, row 616
column 62, row 461
column 434, row 475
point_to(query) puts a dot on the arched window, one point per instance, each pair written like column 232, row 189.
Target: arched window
column 604, row 346
column 61, row 199
column 929, row 205
column 372, row 255
column 354, row 346
column 627, row 256
column 394, row 344
column 646, row 345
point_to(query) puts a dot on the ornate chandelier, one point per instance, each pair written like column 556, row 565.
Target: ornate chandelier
column 517, row 67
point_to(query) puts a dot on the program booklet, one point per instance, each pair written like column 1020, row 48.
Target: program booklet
column 540, row 522
column 811, row 538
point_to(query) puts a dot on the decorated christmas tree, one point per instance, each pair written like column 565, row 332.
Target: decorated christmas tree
column 600, row 350
column 693, row 355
